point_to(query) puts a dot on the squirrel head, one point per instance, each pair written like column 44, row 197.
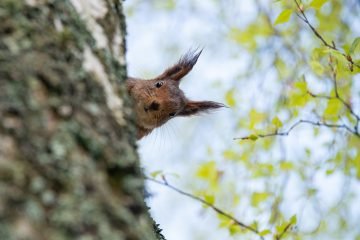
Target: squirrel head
column 158, row 100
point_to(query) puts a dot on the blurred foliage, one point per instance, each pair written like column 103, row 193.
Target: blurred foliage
column 307, row 133
column 328, row 102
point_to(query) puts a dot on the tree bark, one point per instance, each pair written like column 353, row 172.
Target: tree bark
column 68, row 162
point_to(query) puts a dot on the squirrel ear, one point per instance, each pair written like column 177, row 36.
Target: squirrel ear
column 183, row 67
column 192, row 108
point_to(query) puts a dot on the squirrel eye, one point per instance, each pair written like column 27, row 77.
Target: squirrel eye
column 172, row 114
column 159, row 84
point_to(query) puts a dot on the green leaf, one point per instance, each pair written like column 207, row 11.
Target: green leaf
column 254, row 225
column 245, row 38
column 255, row 118
column 283, row 17
column 318, row 53
column 264, row 232
column 357, row 165
column 234, row 229
column 317, row 67
column 236, row 200
column 207, row 170
column 167, row 5
column 209, row 198
column 298, row 100
column 282, row 68
column 258, row 197
column 286, row 166
column 301, row 86
column 354, row 45
column 277, row 122
column 333, row 108
column 280, row 228
column 224, row 222
column 253, row 137
column 263, row 170
column 293, row 220
column 317, row 4
column 156, row 173
column 229, row 154
column 229, row 98
column 330, row 171
column 346, row 48
column 299, row 97
column 341, row 61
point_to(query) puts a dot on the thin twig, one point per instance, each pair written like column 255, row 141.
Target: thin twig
column 314, row 95
column 347, row 105
column 286, row 133
column 333, row 71
column 338, row 97
column 212, row 206
column 304, row 18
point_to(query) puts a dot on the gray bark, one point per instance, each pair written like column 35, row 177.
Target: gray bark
column 68, row 162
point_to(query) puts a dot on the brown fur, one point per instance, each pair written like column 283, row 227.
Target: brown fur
column 160, row 99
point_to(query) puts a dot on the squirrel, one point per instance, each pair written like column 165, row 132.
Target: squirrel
column 160, row 99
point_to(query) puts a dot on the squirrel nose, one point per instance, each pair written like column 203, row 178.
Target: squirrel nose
column 154, row 106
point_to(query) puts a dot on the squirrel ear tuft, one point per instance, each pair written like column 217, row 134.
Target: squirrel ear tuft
column 193, row 108
column 183, row 67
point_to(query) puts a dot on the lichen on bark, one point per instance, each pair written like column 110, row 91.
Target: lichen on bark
column 68, row 165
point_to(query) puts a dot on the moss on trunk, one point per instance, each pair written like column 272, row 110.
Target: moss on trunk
column 68, row 166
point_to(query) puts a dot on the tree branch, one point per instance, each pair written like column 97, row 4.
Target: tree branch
column 338, row 97
column 315, row 123
column 212, row 206
column 304, row 18
column 347, row 105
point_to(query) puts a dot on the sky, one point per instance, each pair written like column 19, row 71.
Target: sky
column 181, row 142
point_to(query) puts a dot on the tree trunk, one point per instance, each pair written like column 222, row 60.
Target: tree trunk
column 68, row 162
